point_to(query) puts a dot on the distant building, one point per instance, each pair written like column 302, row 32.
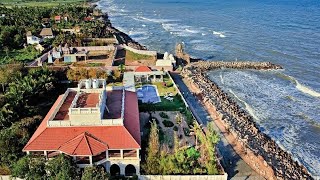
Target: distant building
column 57, row 19
column 32, row 39
column 46, row 33
column 95, row 126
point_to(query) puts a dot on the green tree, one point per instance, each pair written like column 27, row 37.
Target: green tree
column 29, row 168
column 94, row 173
column 61, row 167
column 151, row 165
column 121, row 68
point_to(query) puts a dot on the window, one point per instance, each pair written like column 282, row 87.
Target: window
column 129, row 153
column 114, row 153
column 99, row 157
column 82, row 160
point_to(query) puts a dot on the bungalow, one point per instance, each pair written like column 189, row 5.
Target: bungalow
column 32, row 39
column 46, row 33
column 95, row 126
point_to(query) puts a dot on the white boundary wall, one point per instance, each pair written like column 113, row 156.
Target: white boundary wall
column 145, row 52
column 184, row 177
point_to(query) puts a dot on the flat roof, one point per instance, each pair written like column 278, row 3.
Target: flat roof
column 62, row 114
column 88, row 100
column 114, row 104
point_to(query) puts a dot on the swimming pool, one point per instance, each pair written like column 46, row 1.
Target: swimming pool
column 148, row 94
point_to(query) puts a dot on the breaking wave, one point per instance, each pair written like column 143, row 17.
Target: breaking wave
column 301, row 87
column 219, row 34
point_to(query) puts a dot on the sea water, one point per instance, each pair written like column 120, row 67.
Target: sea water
column 285, row 103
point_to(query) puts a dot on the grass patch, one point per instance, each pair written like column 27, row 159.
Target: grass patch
column 22, row 55
column 165, row 105
column 131, row 56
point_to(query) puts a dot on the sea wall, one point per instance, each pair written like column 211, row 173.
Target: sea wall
column 241, row 124
column 210, row 65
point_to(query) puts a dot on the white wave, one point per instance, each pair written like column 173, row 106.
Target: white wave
column 303, row 88
column 219, row 34
column 307, row 90
column 176, row 29
column 203, row 34
column 156, row 20
column 192, row 31
column 247, row 106
column 221, row 79
column 143, row 25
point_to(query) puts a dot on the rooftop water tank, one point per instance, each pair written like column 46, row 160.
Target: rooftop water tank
column 88, row 84
column 95, row 84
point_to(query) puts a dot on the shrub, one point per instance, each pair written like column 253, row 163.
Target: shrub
column 167, row 123
column 164, row 115
column 175, row 128
column 186, row 131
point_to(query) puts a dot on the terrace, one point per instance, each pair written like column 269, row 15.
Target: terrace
column 89, row 104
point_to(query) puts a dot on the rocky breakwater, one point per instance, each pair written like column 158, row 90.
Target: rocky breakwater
column 210, row 65
column 241, row 124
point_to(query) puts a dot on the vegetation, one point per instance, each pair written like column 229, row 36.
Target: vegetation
column 165, row 105
column 184, row 160
column 18, row 20
column 20, row 111
column 60, row 167
column 32, row 3
column 77, row 74
column 167, row 123
column 164, row 115
column 94, row 173
column 131, row 56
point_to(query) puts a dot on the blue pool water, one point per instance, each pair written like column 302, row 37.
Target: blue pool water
column 148, row 94
column 287, row 32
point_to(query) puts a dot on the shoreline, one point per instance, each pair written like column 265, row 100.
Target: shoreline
column 256, row 148
column 254, row 159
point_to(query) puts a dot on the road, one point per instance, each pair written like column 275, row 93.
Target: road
column 231, row 161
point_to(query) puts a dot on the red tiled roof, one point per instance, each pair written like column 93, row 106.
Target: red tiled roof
column 57, row 17
column 84, row 144
column 143, row 69
column 65, row 138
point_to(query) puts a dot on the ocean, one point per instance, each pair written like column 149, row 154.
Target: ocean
column 285, row 103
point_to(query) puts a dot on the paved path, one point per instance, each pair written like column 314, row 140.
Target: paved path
column 231, row 161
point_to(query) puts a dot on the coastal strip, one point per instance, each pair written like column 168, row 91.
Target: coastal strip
column 256, row 148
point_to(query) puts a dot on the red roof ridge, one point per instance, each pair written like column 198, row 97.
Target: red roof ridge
column 82, row 136
column 87, row 142
column 142, row 69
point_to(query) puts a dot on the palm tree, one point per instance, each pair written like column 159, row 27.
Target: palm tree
column 121, row 68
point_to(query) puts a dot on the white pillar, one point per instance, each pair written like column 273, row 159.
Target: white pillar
column 46, row 154
column 90, row 158
column 138, row 155
column 121, row 152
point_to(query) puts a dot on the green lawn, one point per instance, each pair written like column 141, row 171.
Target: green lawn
column 44, row 3
column 134, row 56
column 21, row 55
column 163, row 90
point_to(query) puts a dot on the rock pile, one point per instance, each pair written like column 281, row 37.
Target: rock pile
column 210, row 65
column 241, row 123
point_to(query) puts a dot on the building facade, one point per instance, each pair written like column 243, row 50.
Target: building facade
column 93, row 125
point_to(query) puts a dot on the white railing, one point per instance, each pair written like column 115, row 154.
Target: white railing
column 112, row 122
column 103, row 122
column 84, row 110
column 123, row 103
